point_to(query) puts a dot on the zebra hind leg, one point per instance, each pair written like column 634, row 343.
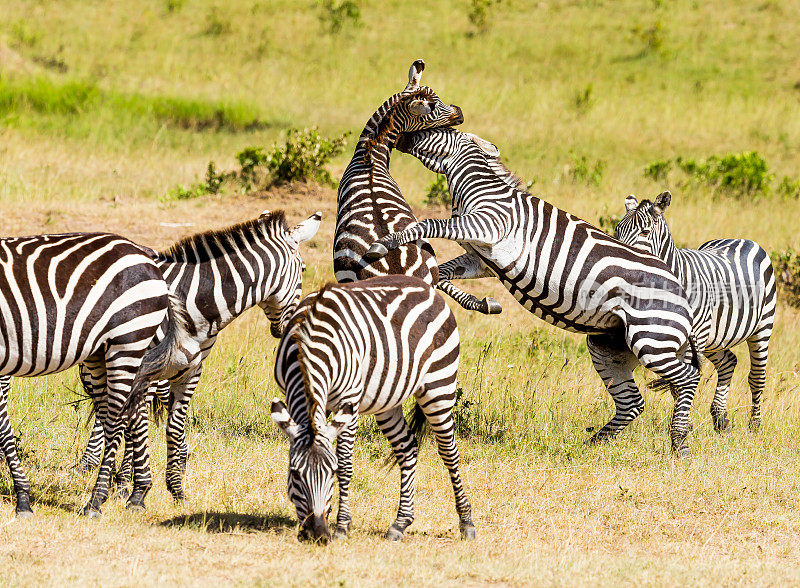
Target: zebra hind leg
column 725, row 363
column 137, row 455
column 404, row 445
column 22, row 488
column 759, row 350
column 436, row 403
column 615, row 363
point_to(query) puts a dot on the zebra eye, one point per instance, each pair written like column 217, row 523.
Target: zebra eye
column 645, row 232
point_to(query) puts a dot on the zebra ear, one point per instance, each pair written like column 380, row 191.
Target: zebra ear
column 419, row 108
column 631, row 203
column 306, row 229
column 488, row 148
column 662, row 202
column 414, row 75
column 339, row 421
column 283, row 419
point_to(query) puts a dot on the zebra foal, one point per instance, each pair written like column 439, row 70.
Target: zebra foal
column 363, row 348
column 731, row 288
column 563, row 270
column 218, row 275
column 91, row 298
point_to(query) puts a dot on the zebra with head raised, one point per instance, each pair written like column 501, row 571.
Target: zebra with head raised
column 561, row 269
column 218, row 275
column 365, row 347
column 731, row 288
column 370, row 204
column 91, row 298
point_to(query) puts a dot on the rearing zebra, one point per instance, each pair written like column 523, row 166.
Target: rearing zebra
column 365, row 347
column 219, row 274
column 731, row 289
column 370, row 204
column 92, row 298
column 561, row 269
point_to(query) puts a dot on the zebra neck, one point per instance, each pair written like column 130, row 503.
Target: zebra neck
column 215, row 292
column 674, row 259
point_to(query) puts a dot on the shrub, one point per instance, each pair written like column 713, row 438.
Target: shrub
column 479, row 14
column 250, row 159
column 608, row 223
column 652, row 38
column 583, row 99
column 302, row 157
column 438, row 193
column 216, row 25
column 335, row 14
column 582, row 172
column 787, row 274
column 658, row 170
column 789, row 188
column 740, row 174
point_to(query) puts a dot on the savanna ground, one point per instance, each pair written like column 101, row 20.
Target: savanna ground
column 106, row 107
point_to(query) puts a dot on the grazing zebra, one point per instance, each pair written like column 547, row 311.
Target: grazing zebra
column 731, row 288
column 365, row 347
column 219, row 275
column 370, row 204
column 561, row 269
column 91, row 298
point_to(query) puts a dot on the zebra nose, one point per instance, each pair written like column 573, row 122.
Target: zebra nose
column 316, row 528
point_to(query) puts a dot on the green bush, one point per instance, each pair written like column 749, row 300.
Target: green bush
column 789, row 188
column 479, row 14
column 302, row 157
column 787, row 274
column 334, row 15
column 438, row 193
column 581, row 171
column 658, row 170
column 608, row 223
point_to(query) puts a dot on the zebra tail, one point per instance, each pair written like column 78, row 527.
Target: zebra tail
column 157, row 359
column 695, row 355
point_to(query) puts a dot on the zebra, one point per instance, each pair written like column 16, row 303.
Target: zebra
column 218, row 274
column 364, row 348
column 91, row 298
column 732, row 292
column 563, row 270
column 370, row 204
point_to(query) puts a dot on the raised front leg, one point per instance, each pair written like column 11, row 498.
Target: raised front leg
column 466, row 267
column 22, row 488
column 404, row 445
column 344, row 457
column 476, row 228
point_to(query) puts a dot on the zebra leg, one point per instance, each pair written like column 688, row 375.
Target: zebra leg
column 404, row 445
column 615, row 363
column 22, row 488
column 481, row 229
column 467, row 267
column 92, row 378
column 758, row 345
column 725, row 363
column 436, row 403
column 180, row 394
column 344, row 457
column 137, row 453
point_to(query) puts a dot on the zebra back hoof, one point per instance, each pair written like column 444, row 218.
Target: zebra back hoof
column 394, row 534
column 468, row 532
column 135, row 507
column 92, row 513
column 682, row 452
column 375, row 252
column 339, row 534
column 77, row 470
column 755, row 425
column 492, row 306
column 721, row 423
column 24, row 514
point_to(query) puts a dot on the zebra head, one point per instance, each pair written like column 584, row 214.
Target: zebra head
column 643, row 225
column 284, row 280
column 312, row 468
column 438, row 149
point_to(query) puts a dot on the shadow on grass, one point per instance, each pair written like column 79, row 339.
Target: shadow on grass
column 226, row 522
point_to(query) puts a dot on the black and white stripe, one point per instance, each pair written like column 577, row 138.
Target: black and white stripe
column 371, row 205
column 91, row 298
column 731, row 288
column 218, row 275
column 363, row 348
column 561, row 269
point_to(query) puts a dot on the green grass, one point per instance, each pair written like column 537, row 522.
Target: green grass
column 104, row 108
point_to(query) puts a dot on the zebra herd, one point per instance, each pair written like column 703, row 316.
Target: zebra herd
column 135, row 319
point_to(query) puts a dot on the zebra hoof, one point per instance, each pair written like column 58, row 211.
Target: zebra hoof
column 122, row 493
column 755, row 425
column 721, row 424
column 339, row 534
column 492, row 306
column 77, row 470
column 682, row 453
column 394, row 534
column 135, row 507
column 377, row 251
column 24, row 515
column 468, row 532
column 92, row 513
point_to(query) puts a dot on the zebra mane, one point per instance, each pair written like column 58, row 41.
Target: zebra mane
column 376, row 131
column 300, row 329
column 505, row 174
column 211, row 244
